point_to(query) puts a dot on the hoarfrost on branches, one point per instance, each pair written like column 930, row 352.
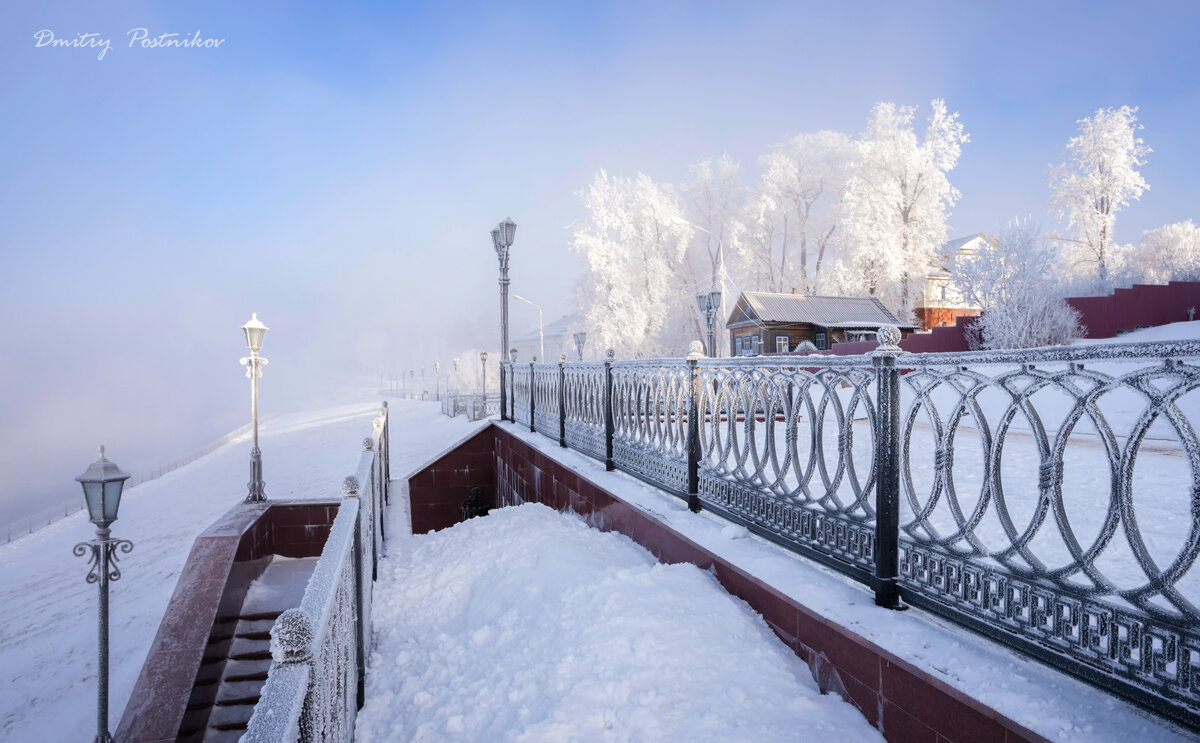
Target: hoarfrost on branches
column 897, row 202
column 1012, row 280
column 1098, row 178
column 633, row 243
column 1169, row 253
column 790, row 223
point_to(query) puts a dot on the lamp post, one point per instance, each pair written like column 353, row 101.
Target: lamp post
column 437, row 383
column 541, row 328
column 423, row 390
column 102, row 485
column 255, row 332
column 580, row 338
column 502, row 240
column 457, row 386
column 483, row 368
column 412, row 383
column 512, row 355
column 709, row 303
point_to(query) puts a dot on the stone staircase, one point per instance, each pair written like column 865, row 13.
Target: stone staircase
column 238, row 656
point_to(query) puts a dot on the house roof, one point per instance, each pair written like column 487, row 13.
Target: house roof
column 830, row 312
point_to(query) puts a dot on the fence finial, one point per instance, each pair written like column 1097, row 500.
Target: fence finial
column 610, row 354
column 696, row 351
column 291, row 637
column 562, row 358
column 889, row 340
column 368, row 444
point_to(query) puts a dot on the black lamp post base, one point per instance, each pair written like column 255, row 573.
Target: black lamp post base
column 256, row 484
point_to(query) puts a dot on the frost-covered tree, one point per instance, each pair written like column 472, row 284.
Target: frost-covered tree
column 633, row 245
column 1098, row 178
column 791, row 219
column 1169, row 253
column 896, row 204
column 1012, row 279
column 713, row 199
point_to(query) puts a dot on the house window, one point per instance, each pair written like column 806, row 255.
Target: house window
column 942, row 292
column 821, row 340
column 737, row 346
column 781, row 344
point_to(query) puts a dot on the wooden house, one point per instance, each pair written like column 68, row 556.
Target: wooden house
column 775, row 323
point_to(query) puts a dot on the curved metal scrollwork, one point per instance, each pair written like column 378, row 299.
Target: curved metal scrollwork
column 522, row 387
column 584, row 402
column 790, row 450
column 545, row 399
column 649, row 401
column 111, row 547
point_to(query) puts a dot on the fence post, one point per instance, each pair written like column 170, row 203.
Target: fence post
column 693, row 426
column 562, row 401
column 532, row 395
column 503, row 406
column 887, row 469
column 606, row 401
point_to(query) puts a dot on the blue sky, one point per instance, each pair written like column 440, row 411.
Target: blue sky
column 336, row 168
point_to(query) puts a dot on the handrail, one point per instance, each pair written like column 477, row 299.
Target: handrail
column 316, row 682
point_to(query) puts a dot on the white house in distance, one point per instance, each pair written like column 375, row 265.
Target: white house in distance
column 558, row 338
column 940, row 302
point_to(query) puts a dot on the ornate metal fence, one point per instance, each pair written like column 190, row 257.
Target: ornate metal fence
column 316, row 682
column 520, row 394
column 545, row 393
column 1047, row 498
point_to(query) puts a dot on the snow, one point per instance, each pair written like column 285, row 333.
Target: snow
column 530, row 625
column 48, row 636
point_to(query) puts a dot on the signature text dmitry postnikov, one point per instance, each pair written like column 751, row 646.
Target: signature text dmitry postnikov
column 139, row 38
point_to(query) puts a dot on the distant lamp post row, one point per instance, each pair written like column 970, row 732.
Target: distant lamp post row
column 255, row 332
column 709, row 303
column 502, row 240
column 102, row 485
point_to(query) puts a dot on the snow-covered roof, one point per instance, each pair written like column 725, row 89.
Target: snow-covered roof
column 830, row 312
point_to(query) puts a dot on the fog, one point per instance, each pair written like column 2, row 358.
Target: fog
column 336, row 168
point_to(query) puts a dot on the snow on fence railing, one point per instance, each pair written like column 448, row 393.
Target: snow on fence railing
column 1048, row 498
column 316, row 683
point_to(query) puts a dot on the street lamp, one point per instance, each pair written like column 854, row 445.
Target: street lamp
column 709, row 303
column 437, row 384
column 457, row 386
column 580, row 338
column 720, row 277
column 423, row 390
column 483, row 366
column 512, row 355
column 541, row 328
column 255, row 332
column 102, row 485
column 502, row 240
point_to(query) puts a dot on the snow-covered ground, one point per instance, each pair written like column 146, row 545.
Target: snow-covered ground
column 48, row 631
column 529, row 625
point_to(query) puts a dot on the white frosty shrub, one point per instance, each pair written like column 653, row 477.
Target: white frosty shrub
column 1169, row 253
column 1012, row 279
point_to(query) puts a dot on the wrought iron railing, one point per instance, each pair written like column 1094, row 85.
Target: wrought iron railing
column 316, row 682
column 1048, row 498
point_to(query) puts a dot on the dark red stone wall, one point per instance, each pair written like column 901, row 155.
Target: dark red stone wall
column 224, row 560
column 436, row 493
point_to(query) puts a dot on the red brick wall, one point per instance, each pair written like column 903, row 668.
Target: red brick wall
column 437, row 492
